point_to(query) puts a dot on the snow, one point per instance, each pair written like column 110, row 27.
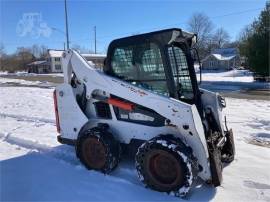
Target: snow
column 222, row 57
column 17, row 73
column 232, row 75
column 21, row 82
column 34, row 166
column 56, row 53
column 26, row 74
column 233, row 80
column 93, row 55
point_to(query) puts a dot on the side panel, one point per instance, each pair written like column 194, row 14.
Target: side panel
column 210, row 100
column 70, row 115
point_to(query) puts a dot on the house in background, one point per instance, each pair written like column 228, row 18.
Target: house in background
column 54, row 57
column 53, row 62
column 96, row 59
column 222, row 59
column 39, row 67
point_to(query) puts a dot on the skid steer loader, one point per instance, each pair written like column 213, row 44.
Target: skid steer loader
column 145, row 102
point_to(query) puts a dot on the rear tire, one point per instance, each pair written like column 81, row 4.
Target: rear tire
column 165, row 164
column 98, row 150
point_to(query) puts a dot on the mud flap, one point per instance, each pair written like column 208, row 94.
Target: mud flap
column 216, row 166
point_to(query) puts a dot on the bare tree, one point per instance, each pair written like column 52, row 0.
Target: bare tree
column 43, row 52
column 38, row 51
column 200, row 24
column 221, row 37
column 35, row 50
column 24, row 57
column 81, row 49
column 2, row 49
column 2, row 56
column 231, row 44
column 245, row 33
column 18, row 61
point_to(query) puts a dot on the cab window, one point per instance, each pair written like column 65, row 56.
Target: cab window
column 141, row 65
column 180, row 72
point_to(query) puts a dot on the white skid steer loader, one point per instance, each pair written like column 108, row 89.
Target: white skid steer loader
column 147, row 103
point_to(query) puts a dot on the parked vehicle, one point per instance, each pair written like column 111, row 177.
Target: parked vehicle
column 147, row 102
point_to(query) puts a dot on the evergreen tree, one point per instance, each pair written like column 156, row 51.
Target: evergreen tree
column 255, row 43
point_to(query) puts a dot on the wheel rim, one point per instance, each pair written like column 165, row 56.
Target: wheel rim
column 94, row 153
column 164, row 169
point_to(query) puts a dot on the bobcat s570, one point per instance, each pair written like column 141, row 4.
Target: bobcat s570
column 146, row 102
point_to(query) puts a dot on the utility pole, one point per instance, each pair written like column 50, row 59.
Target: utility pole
column 66, row 17
column 95, row 36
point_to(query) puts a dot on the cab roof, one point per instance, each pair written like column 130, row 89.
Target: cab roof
column 165, row 36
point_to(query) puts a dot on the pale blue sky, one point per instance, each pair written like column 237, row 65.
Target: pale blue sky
column 113, row 19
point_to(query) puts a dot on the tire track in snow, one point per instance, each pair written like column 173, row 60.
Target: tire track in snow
column 27, row 118
column 66, row 154
column 62, row 152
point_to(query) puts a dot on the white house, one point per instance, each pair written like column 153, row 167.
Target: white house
column 96, row 59
column 224, row 59
column 39, row 67
column 54, row 59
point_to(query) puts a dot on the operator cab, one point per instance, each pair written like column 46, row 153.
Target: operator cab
column 158, row 61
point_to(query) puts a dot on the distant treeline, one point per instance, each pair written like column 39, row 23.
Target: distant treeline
column 18, row 61
column 253, row 44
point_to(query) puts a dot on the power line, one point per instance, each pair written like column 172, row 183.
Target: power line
column 236, row 13
column 148, row 29
column 166, row 26
column 169, row 25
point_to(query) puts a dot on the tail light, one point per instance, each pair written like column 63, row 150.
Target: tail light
column 56, row 111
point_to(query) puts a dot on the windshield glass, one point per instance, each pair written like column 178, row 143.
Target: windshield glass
column 178, row 61
column 141, row 65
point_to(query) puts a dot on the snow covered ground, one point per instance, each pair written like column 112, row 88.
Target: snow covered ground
column 218, row 81
column 233, row 80
column 35, row 167
column 30, row 74
column 18, row 81
column 232, row 75
column 34, row 80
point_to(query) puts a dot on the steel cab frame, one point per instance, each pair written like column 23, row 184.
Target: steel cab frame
column 174, row 46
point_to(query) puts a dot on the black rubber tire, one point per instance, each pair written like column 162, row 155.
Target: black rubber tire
column 228, row 150
column 110, row 144
column 178, row 150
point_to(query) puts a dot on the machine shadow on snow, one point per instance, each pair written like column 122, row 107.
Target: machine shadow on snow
column 260, row 139
column 26, row 169
column 259, row 124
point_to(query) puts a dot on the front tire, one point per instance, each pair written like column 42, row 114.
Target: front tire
column 98, row 150
column 165, row 164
